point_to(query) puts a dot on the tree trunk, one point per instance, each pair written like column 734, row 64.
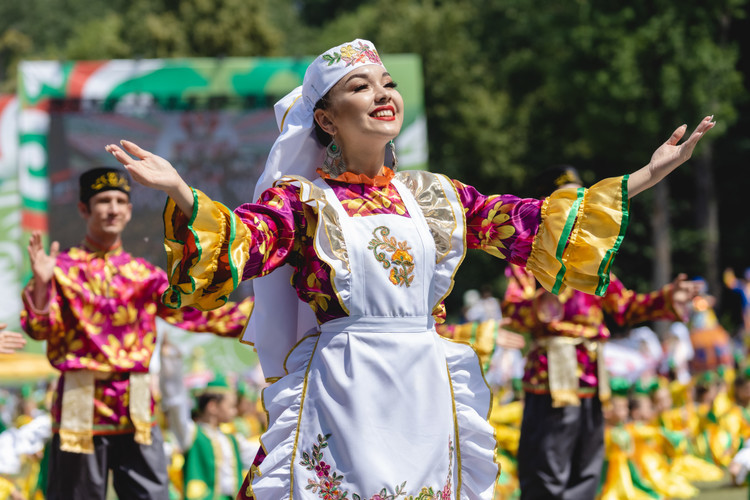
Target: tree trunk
column 660, row 238
column 662, row 271
column 707, row 217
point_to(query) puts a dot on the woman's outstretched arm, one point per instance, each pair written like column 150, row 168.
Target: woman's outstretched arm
column 668, row 157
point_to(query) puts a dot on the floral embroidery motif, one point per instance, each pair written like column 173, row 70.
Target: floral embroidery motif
column 327, row 483
column 353, row 55
column 495, row 227
column 401, row 262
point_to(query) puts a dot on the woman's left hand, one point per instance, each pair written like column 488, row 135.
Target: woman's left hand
column 668, row 157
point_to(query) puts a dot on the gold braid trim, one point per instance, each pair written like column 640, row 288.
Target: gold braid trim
column 77, row 414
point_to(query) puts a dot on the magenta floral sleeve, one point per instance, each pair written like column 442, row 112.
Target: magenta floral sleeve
column 627, row 307
column 272, row 222
column 502, row 225
column 267, row 236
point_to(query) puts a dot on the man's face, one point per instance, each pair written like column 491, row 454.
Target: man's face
column 107, row 214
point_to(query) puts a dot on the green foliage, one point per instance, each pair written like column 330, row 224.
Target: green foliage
column 511, row 86
column 514, row 86
column 98, row 29
column 98, row 39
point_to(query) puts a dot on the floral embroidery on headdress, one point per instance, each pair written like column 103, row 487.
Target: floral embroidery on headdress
column 327, row 482
column 353, row 55
column 401, row 262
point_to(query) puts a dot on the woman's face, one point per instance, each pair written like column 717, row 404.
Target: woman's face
column 363, row 106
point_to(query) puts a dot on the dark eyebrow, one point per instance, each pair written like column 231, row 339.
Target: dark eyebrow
column 363, row 75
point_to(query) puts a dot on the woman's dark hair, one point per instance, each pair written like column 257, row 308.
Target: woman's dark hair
column 324, row 138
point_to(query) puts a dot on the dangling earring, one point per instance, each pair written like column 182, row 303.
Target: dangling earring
column 333, row 165
column 394, row 164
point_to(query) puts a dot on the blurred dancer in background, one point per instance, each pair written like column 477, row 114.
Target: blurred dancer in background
column 96, row 306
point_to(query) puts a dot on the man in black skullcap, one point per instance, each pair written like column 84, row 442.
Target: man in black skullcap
column 96, row 306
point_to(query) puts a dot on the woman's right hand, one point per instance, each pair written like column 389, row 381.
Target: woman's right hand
column 150, row 170
column 155, row 172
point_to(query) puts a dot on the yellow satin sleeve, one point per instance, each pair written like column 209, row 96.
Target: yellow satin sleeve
column 221, row 243
column 580, row 233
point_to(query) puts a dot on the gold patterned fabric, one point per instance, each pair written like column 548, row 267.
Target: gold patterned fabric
column 438, row 211
column 140, row 407
column 562, row 367
column 77, row 414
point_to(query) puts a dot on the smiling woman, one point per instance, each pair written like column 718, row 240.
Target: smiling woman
column 366, row 400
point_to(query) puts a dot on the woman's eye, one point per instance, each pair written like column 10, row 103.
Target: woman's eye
column 360, row 87
column 391, row 85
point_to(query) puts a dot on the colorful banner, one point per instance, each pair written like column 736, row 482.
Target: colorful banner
column 11, row 249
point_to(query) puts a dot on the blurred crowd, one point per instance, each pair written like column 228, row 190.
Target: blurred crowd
column 677, row 419
column 679, row 412
column 219, row 406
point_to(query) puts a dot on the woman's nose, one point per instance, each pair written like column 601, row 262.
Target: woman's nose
column 381, row 94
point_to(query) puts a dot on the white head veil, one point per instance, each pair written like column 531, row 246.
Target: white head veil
column 279, row 317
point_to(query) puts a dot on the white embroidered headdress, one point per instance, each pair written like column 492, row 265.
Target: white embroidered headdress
column 279, row 316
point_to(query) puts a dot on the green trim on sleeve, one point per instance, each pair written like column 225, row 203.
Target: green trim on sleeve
column 563, row 241
column 606, row 263
column 195, row 235
column 232, row 237
column 172, row 296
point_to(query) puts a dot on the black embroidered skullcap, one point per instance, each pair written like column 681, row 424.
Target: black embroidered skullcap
column 554, row 177
column 101, row 179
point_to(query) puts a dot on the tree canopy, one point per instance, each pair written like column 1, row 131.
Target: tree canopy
column 511, row 87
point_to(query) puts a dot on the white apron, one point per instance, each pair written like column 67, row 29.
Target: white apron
column 369, row 408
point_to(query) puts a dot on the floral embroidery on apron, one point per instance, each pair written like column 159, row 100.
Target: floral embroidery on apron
column 401, row 261
column 327, row 482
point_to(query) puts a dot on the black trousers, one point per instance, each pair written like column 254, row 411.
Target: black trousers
column 561, row 450
column 138, row 472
